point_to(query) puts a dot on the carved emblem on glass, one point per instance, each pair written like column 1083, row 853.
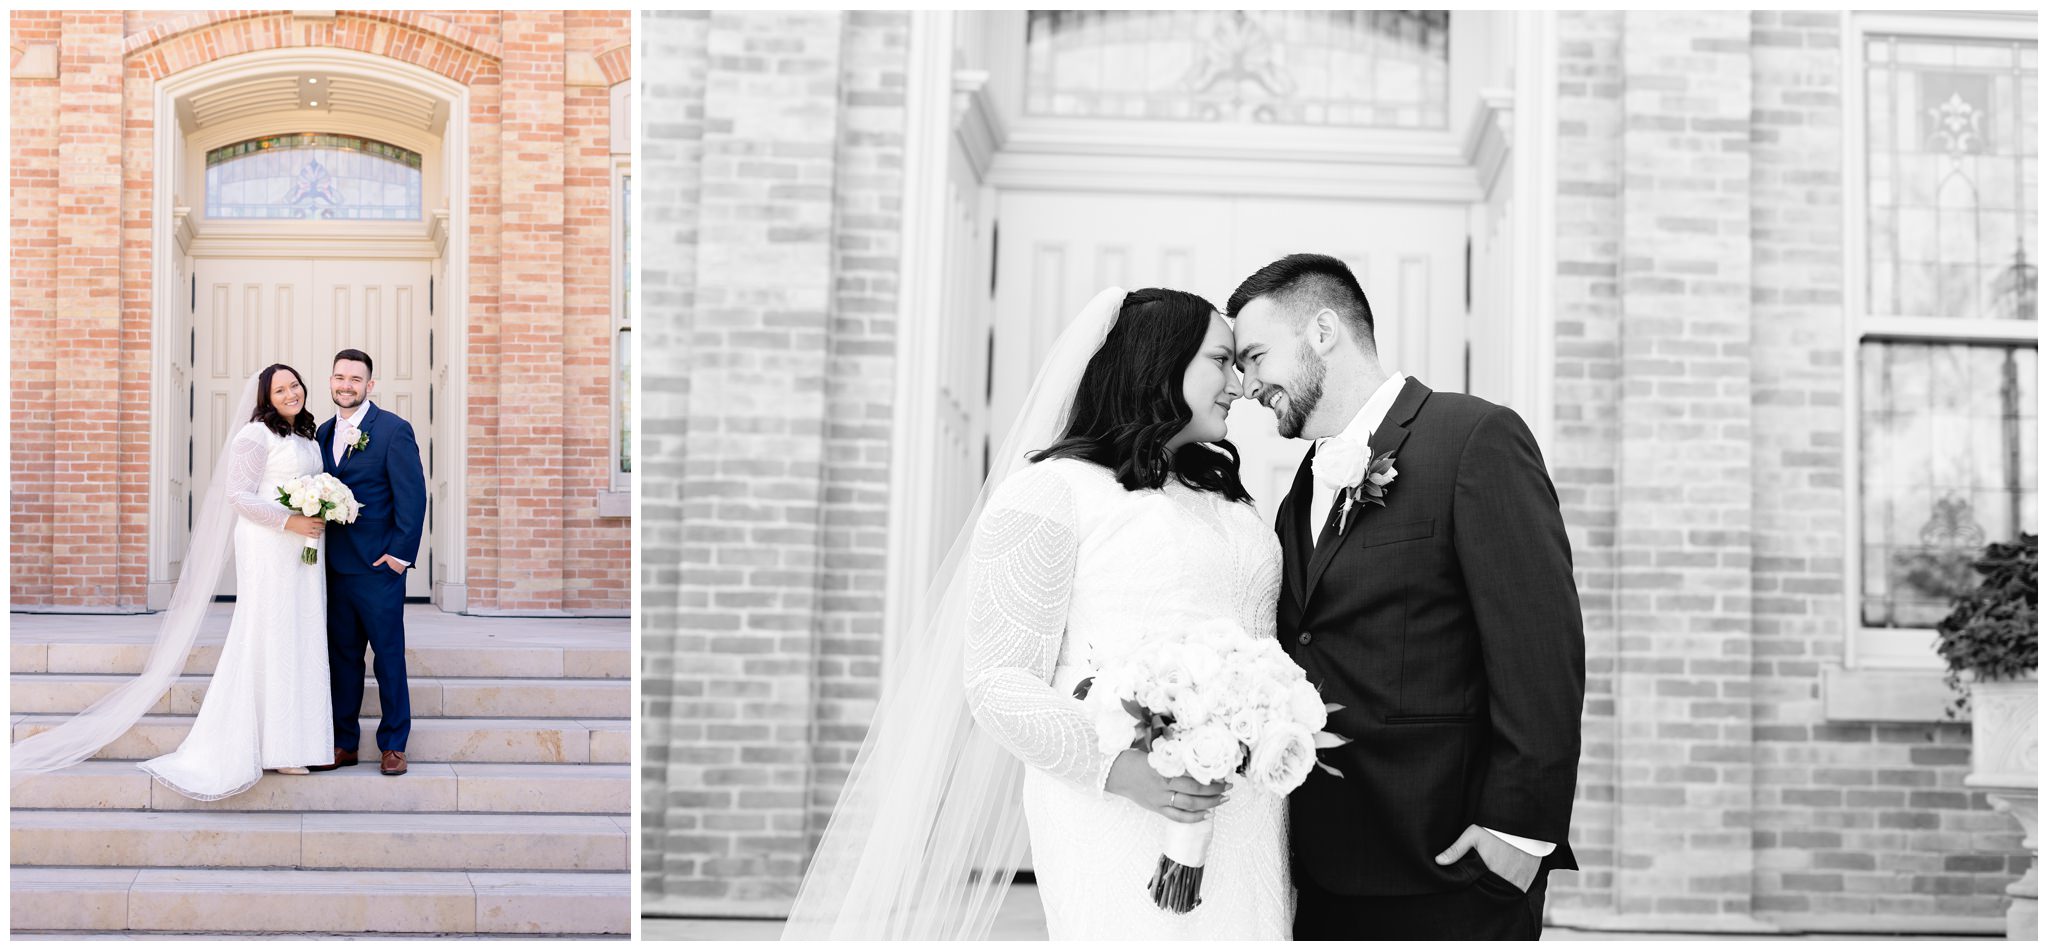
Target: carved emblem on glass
column 313, row 176
column 1952, row 161
column 1350, row 68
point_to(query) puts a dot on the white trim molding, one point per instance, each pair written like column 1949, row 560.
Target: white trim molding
column 928, row 138
column 1490, row 136
column 976, row 124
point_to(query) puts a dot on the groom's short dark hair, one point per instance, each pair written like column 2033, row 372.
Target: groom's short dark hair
column 369, row 369
column 1306, row 283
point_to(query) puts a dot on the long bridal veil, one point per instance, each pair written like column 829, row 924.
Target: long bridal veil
column 103, row 722
column 929, row 829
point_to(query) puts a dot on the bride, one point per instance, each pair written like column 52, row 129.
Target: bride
column 1125, row 518
column 266, row 706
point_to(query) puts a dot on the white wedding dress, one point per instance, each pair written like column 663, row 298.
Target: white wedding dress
column 267, row 704
column 1069, row 570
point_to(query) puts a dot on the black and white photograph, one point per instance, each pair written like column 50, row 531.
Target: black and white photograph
column 1338, row 474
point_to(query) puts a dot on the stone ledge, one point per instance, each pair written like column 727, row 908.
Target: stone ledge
column 1883, row 696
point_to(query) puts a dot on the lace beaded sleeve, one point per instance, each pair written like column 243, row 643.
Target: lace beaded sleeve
column 1022, row 566
column 247, row 460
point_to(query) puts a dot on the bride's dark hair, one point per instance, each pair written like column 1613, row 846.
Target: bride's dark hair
column 268, row 415
column 1130, row 401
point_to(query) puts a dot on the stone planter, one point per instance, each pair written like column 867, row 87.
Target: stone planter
column 2004, row 758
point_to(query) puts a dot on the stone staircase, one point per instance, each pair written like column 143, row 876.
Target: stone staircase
column 513, row 818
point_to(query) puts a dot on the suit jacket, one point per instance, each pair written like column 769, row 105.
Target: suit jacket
column 386, row 478
column 1447, row 624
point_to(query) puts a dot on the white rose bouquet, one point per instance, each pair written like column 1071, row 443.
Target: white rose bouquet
column 1205, row 703
column 318, row 496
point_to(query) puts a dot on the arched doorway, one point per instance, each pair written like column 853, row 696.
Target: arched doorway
column 313, row 200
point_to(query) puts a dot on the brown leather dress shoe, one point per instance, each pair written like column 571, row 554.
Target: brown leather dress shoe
column 342, row 758
column 394, row 762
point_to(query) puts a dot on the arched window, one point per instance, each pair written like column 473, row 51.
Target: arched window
column 304, row 176
column 1343, row 68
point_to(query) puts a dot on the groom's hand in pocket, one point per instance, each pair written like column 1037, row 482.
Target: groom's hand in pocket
column 392, row 563
column 1504, row 860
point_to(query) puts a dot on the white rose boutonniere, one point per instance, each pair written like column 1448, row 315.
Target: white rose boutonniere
column 1355, row 473
column 362, row 442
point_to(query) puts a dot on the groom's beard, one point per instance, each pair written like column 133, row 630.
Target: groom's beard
column 1304, row 393
column 347, row 402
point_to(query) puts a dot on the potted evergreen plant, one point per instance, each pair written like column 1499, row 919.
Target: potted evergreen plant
column 1992, row 639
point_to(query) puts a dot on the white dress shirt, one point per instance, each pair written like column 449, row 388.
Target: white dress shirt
column 344, row 434
column 1360, row 431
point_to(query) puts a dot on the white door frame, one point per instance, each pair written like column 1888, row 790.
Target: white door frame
column 1509, row 136
column 168, row 292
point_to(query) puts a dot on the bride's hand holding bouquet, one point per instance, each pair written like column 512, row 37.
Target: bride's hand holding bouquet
column 316, row 500
column 1201, row 705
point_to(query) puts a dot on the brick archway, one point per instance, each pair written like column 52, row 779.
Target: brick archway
column 182, row 41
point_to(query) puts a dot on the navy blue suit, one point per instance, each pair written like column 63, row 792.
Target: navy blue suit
column 366, row 601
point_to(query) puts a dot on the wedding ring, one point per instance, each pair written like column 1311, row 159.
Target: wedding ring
column 1174, row 800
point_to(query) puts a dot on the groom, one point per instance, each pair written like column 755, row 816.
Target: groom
column 372, row 452
column 1428, row 591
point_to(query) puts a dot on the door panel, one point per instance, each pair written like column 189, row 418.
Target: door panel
column 1059, row 249
column 252, row 313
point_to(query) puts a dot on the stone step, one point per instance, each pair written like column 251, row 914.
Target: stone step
column 431, row 696
column 510, row 661
column 348, row 840
column 600, row 789
column 433, row 740
column 312, row 901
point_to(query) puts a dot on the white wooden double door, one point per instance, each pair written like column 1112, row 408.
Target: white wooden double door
column 1056, row 250
column 250, row 313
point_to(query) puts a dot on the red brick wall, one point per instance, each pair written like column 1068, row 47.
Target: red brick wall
column 83, row 292
column 98, row 542
column 34, row 180
column 596, row 552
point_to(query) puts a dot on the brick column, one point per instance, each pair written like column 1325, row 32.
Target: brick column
column 34, row 184
column 861, row 388
column 1587, row 462
column 528, row 443
column 90, row 516
column 754, row 475
column 1684, row 556
column 671, row 156
column 596, row 551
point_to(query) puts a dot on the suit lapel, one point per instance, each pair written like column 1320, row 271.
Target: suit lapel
column 324, row 438
column 1392, row 432
column 1295, row 540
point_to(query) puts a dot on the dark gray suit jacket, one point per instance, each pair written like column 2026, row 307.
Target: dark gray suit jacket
column 1448, row 625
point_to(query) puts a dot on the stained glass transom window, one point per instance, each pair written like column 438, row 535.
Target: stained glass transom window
column 1348, row 68
column 313, row 176
column 1949, row 447
column 1952, row 163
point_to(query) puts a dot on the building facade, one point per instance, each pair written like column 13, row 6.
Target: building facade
column 1759, row 282
column 197, row 195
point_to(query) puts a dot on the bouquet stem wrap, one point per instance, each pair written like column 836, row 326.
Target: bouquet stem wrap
column 311, row 553
column 1177, row 884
